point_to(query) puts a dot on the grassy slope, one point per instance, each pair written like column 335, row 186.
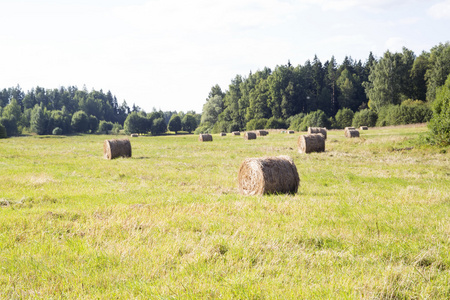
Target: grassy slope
column 369, row 220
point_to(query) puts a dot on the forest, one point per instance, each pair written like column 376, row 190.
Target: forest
column 397, row 88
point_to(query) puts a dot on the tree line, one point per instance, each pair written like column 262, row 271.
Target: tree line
column 71, row 110
column 396, row 88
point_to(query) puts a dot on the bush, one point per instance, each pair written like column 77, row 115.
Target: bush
column 314, row 119
column 159, row 126
column 233, row 127
column 3, row 134
column 439, row 124
column 256, row 124
column 57, row 131
column 409, row 112
column 202, row 129
column 365, row 117
column 80, row 122
column 116, row 128
column 344, row 118
column 221, row 126
column 105, row 126
column 175, row 123
column 294, row 122
column 274, row 123
column 10, row 125
column 189, row 123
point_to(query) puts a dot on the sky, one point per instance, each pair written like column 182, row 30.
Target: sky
column 167, row 54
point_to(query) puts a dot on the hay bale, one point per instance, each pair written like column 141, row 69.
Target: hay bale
column 205, row 138
column 268, row 175
column 364, row 128
column 347, row 129
column 134, row 135
column 352, row 133
column 236, row 133
column 322, row 130
column 311, row 143
column 291, row 132
column 250, row 136
column 262, row 132
column 116, row 148
column 223, row 134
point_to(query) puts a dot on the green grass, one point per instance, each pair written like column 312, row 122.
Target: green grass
column 370, row 219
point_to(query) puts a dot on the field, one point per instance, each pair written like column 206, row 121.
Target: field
column 371, row 219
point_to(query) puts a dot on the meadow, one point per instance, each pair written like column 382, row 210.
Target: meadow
column 370, row 219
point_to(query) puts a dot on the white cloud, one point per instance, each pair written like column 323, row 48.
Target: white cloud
column 440, row 10
column 395, row 44
column 367, row 5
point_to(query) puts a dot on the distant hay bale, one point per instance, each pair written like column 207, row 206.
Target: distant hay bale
column 223, row 134
column 268, row 175
column 205, row 138
column 236, row 133
column 290, row 131
column 352, row 133
column 322, row 130
column 364, row 128
column 134, row 135
column 311, row 143
column 347, row 129
column 250, row 136
column 262, row 132
column 116, row 148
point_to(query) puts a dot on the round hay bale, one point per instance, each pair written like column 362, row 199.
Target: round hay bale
column 268, row 175
column 291, row 132
column 116, row 148
column 205, row 138
column 236, row 133
column 311, row 143
column 364, row 128
column 347, row 129
column 134, row 135
column 223, row 134
column 250, row 136
column 352, row 133
column 262, row 132
column 322, row 130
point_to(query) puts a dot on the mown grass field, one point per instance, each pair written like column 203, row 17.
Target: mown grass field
column 370, row 219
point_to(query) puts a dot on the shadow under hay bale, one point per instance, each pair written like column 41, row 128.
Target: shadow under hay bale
column 223, row 134
column 116, row 148
column 268, row 175
column 364, row 128
column 311, row 143
column 322, row 130
column 352, row 133
column 205, row 138
column 262, row 132
column 236, row 133
column 250, row 136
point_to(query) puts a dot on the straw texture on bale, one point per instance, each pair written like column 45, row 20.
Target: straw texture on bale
column 134, row 135
column 364, row 128
column 116, row 148
column 268, row 175
column 322, row 130
column 250, row 136
column 262, row 132
column 205, row 138
column 311, row 143
column 352, row 133
column 290, row 132
column 236, row 133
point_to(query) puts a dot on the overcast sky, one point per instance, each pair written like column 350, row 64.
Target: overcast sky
column 167, row 54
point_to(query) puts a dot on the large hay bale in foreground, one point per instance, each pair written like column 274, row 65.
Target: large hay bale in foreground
column 116, row 148
column 322, row 130
column 352, row 133
column 311, row 143
column 262, row 132
column 236, row 133
column 250, row 136
column 205, row 138
column 364, row 128
column 268, row 175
